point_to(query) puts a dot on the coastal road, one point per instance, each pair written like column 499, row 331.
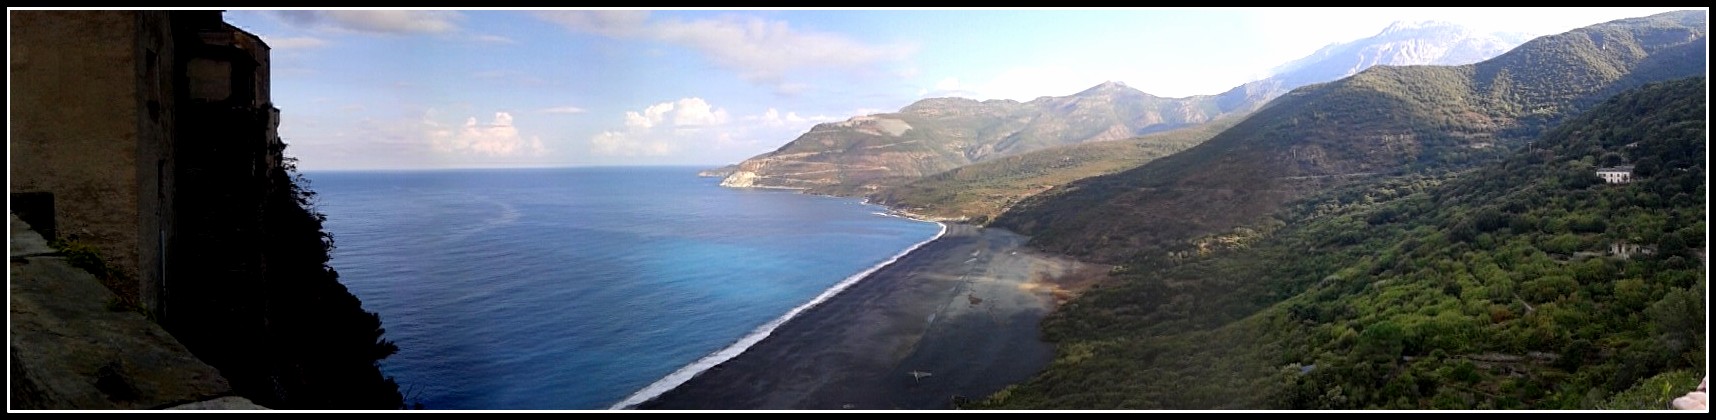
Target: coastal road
column 962, row 312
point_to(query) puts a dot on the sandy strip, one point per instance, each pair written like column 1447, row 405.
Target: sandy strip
column 964, row 309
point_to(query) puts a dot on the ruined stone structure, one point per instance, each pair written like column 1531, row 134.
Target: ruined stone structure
column 104, row 104
column 150, row 138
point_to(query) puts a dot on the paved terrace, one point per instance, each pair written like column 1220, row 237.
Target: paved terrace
column 70, row 351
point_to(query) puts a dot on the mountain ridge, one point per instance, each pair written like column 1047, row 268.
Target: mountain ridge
column 1387, row 119
column 853, row 157
column 1526, row 282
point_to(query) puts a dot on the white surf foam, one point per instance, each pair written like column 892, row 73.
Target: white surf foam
column 678, row 377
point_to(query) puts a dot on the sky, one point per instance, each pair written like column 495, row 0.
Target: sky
column 363, row 89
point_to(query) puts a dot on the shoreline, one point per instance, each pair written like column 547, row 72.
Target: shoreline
column 684, row 374
column 955, row 317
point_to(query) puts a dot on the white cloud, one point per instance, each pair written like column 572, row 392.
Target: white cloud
column 695, row 112
column 687, row 118
column 650, row 116
column 563, row 110
column 296, row 42
column 497, row 138
column 773, row 118
column 764, row 50
column 375, row 21
column 760, row 50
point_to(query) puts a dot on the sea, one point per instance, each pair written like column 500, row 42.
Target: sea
column 588, row 288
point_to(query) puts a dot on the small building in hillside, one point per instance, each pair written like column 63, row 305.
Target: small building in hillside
column 1626, row 250
column 1616, row 174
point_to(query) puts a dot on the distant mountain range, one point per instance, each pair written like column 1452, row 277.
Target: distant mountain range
column 1404, row 238
column 866, row 153
column 1495, row 288
column 1383, row 121
column 935, row 135
column 1422, row 235
column 1402, row 43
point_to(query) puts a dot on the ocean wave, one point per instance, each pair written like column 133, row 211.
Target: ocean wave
column 679, row 377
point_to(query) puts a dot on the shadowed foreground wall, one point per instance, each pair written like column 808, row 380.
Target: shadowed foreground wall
column 150, row 137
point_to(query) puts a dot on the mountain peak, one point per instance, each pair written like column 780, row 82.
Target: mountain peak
column 1405, row 26
column 1110, row 86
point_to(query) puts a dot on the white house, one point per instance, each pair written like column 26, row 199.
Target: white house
column 1616, row 174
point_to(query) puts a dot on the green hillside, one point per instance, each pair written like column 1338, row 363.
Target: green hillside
column 862, row 154
column 981, row 191
column 1487, row 288
column 1385, row 121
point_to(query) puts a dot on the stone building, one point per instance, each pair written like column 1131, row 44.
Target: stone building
column 1616, row 174
column 150, row 137
column 102, row 103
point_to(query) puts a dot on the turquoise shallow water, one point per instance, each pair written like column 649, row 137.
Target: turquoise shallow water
column 574, row 288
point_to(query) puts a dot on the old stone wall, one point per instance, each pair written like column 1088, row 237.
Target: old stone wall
column 75, row 128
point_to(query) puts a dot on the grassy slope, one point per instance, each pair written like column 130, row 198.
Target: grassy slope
column 1383, row 121
column 981, row 191
column 1471, row 290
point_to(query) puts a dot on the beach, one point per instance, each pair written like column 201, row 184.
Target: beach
column 956, row 318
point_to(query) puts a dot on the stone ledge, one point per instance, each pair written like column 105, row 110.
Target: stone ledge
column 71, row 349
column 222, row 403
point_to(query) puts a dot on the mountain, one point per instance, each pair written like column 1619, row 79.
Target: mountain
column 1382, row 121
column 1401, row 44
column 979, row 192
column 864, row 154
column 1527, row 282
column 935, row 135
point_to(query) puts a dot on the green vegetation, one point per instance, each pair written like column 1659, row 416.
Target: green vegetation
column 253, row 294
column 87, row 257
column 1654, row 393
column 981, row 191
column 1386, row 121
column 859, row 156
column 323, row 348
column 1485, row 288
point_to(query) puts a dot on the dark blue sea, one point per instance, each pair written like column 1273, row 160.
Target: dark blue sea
column 585, row 288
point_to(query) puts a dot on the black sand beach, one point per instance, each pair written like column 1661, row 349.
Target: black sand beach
column 961, row 311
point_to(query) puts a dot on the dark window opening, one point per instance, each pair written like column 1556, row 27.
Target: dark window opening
column 36, row 209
